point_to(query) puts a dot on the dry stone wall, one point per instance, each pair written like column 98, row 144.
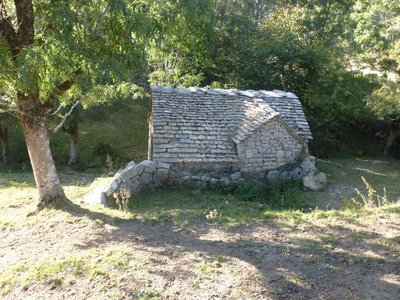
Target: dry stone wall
column 131, row 180
column 135, row 178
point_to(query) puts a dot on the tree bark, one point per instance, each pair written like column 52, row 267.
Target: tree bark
column 31, row 112
column 73, row 131
column 37, row 141
column 394, row 131
column 4, row 143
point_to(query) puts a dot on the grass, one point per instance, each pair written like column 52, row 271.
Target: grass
column 180, row 205
column 315, row 235
column 91, row 265
column 123, row 127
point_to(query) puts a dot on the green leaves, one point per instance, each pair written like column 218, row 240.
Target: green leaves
column 103, row 39
column 377, row 32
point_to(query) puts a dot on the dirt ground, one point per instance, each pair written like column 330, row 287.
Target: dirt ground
column 321, row 256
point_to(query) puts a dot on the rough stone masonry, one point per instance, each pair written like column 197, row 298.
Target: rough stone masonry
column 227, row 130
column 210, row 137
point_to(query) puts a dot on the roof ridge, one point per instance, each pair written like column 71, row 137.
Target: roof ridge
column 245, row 129
column 205, row 90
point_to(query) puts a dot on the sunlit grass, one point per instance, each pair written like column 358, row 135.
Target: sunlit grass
column 87, row 265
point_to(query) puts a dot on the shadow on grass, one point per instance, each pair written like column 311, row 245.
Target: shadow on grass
column 332, row 261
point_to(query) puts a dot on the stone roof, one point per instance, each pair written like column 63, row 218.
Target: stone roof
column 201, row 124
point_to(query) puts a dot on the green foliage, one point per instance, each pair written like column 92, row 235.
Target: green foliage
column 247, row 191
column 101, row 39
column 275, row 195
column 182, row 41
column 385, row 101
column 287, row 195
column 339, row 96
column 377, row 32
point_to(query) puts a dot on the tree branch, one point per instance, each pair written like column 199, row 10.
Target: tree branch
column 59, row 126
column 7, row 31
column 59, row 91
column 26, row 19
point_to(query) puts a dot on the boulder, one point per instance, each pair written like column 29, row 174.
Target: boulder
column 315, row 181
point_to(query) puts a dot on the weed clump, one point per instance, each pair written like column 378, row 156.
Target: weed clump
column 120, row 198
column 371, row 198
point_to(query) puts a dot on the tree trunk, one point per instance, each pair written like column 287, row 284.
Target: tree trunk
column 73, row 131
column 394, row 131
column 37, row 141
column 4, row 143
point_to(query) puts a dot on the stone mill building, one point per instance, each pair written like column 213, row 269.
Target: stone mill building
column 227, row 130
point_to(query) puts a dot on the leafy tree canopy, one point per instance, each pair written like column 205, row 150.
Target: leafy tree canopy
column 89, row 42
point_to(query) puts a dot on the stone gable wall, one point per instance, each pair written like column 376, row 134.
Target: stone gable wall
column 270, row 147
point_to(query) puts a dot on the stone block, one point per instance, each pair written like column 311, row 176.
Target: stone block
column 308, row 165
column 131, row 173
column 273, row 175
column 236, row 176
column 140, row 169
column 160, row 175
column 149, row 166
column 280, row 154
column 145, row 178
column 162, row 165
column 298, row 174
